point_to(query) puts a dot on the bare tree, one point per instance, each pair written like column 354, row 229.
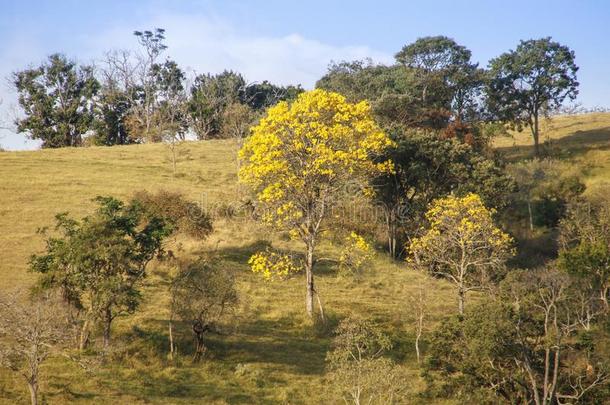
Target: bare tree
column 418, row 307
column 31, row 332
column 548, row 294
column 203, row 295
column 153, row 46
column 357, row 371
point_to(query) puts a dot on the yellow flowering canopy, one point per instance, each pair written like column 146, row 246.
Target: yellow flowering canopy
column 462, row 242
column 272, row 265
column 299, row 156
column 356, row 253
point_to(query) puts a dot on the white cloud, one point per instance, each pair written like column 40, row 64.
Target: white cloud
column 208, row 44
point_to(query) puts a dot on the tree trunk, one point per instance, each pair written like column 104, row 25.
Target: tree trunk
column 84, row 334
column 309, row 279
column 391, row 230
column 555, row 375
column 174, row 159
column 417, row 337
column 604, row 297
column 199, row 330
column 536, row 134
column 461, row 299
column 107, row 324
column 531, row 216
column 199, row 347
column 171, row 341
column 545, row 387
column 33, row 387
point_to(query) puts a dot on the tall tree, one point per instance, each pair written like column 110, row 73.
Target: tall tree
column 300, row 157
column 118, row 95
column 534, row 79
column 57, row 99
column 392, row 91
column 145, row 107
column 261, row 96
column 444, row 67
column 427, row 167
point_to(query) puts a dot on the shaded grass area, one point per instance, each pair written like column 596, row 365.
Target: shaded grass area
column 269, row 353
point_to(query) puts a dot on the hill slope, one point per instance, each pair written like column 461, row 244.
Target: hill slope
column 271, row 354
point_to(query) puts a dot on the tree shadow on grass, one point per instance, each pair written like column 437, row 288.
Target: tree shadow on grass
column 573, row 145
column 279, row 341
column 241, row 255
column 182, row 383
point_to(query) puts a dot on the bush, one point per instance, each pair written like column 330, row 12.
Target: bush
column 357, row 371
column 186, row 216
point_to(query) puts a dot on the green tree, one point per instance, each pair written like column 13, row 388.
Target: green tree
column 393, row 92
column 444, row 66
column 118, row 96
column 210, row 96
column 427, row 167
column 110, row 126
column 57, row 99
column 526, row 346
column 530, row 81
column 171, row 116
column 146, row 94
column 260, row 96
column 546, row 186
column 100, row 261
column 584, row 245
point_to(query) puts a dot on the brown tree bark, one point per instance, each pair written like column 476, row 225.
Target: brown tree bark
column 309, row 279
column 33, row 387
column 199, row 330
column 107, row 325
column 461, row 299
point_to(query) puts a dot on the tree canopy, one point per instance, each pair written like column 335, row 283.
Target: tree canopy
column 57, row 98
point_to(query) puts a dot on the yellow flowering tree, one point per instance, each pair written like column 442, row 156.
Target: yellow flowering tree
column 462, row 243
column 300, row 155
column 356, row 254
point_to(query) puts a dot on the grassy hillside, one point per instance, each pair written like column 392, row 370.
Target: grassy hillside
column 581, row 139
column 271, row 354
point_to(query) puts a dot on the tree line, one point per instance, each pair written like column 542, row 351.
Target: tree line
column 136, row 97
column 145, row 96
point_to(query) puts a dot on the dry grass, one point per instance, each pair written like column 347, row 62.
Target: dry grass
column 278, row 355
column 581, row 139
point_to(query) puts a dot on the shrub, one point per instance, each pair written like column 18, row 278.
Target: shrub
column 186, row 216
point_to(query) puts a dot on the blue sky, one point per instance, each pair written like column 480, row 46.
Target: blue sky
column 293, row 41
